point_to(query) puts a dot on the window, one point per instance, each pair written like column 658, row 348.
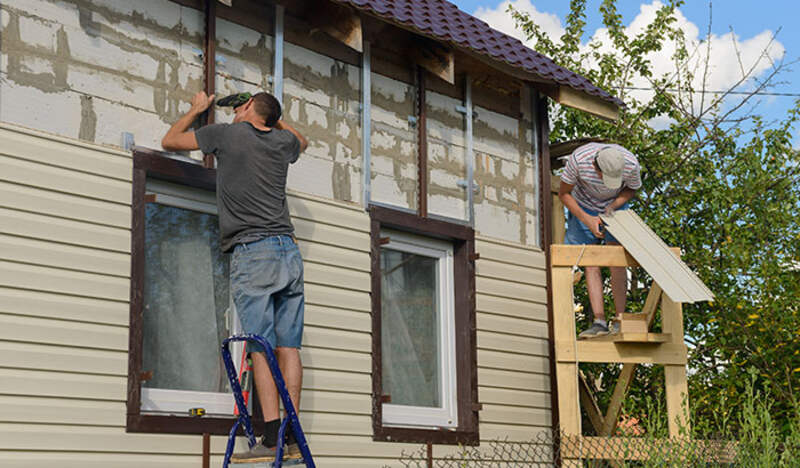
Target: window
column 417, row 332
column 181, row 308
column 423, row 318
column 187, row 309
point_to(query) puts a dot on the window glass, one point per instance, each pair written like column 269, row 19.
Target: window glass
column 410, row 328
column 418, row 332
column 186, row 300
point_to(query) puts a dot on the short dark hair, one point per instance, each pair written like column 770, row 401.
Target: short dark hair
column 268, row 107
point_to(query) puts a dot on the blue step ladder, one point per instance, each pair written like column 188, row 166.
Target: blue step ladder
column 244, row 417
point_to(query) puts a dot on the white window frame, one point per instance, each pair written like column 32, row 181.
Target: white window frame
column 445, row 416
column 179, row 402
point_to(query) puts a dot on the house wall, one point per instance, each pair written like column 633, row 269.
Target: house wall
column 84, row 71
column 64, row 291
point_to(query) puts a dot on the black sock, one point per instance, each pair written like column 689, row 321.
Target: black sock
column 290, row 439
column 270, row 438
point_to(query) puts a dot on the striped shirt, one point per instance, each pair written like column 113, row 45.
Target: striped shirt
column 589, row 190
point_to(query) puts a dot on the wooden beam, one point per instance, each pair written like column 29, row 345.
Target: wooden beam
column 593, row 255
column 569, row 414
column 634, row 353
column 615, row 405
column 651, row 303
column 677, row 388
column 589, row 404
column 630, row 337
column 640, row 448
column 209, row 67
column 422, row 144
column 586, row 102
column 436, row 58
column 338, row 21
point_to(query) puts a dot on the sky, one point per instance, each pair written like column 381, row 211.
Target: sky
column 752, row 24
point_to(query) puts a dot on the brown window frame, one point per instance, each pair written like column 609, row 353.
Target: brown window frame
column 152, row 164
column 463, row 239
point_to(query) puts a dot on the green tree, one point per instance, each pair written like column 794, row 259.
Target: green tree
column 720, row 182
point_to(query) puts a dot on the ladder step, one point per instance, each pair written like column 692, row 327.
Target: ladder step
column 653, row 338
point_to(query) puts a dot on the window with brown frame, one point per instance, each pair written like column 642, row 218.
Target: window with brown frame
column 424, row 356
column 180, row 309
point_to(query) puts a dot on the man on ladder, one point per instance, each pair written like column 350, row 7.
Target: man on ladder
column 253, row 155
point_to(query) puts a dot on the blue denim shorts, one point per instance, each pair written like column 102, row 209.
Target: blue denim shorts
column 267, row 285
column 580, row 234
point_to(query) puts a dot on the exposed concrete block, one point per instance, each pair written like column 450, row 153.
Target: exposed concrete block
column 392, row 102
column 133, row 93
column 496, row 134
column 311, row 175
column 316, row 116
column 389, row 190
column 445, row 179
column 498, row 222
column 37, row 32
column 5, row 18
column 382, row 164
column 408, row 148
column 99, row 52
column 508, row 169
column 447, row 206
column 445, row 123
column 33, row 108
column 114, row 118
column 247, row 54
column 383, row 140
column 65, row 13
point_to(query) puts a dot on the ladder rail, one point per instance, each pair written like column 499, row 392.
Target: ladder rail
column 244, row 417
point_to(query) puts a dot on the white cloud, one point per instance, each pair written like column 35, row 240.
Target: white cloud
column 724, row 53
column 500, row 19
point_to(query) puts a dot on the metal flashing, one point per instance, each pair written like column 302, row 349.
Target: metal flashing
column 674, row 276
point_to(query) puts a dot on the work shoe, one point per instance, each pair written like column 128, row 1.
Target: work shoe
column 594, row 331
column 292, row 452
column 259, row 453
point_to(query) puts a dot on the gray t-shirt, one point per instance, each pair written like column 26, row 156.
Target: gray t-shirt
column 251, row 179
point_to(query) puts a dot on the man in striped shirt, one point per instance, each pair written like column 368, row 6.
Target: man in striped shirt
column 598, row 178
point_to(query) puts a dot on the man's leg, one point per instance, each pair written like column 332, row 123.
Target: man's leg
column 619, row 286
column 292, row 370
column 594, row 287
column 267, row 392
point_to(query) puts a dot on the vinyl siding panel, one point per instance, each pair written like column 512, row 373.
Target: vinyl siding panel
column 64, row 312
column 513, row 365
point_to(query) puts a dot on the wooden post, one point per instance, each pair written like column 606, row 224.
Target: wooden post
column 569, row 414
column 559, row 219
column 677, row 392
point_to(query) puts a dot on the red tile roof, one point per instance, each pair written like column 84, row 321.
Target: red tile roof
column 441, row 20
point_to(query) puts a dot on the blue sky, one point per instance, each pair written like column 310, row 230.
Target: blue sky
column 752, row 22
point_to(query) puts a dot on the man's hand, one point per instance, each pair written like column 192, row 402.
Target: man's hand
column 201, row 101
column 281, row 125
column 178, row 137
column 595, row 224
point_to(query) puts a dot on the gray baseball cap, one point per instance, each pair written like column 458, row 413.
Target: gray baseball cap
column 611, row 161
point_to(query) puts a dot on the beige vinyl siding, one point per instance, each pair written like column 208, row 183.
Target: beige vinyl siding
column 64, row 291
column 513, row 365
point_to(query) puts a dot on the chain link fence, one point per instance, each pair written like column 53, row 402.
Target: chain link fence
column 549, row 449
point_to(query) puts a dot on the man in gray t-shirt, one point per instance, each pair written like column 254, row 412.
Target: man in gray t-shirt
column 253, row 156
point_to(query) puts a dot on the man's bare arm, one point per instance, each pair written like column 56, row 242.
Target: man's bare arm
column 624, row 197
column 178, row 138
column 592, row 222
column 281, row 125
